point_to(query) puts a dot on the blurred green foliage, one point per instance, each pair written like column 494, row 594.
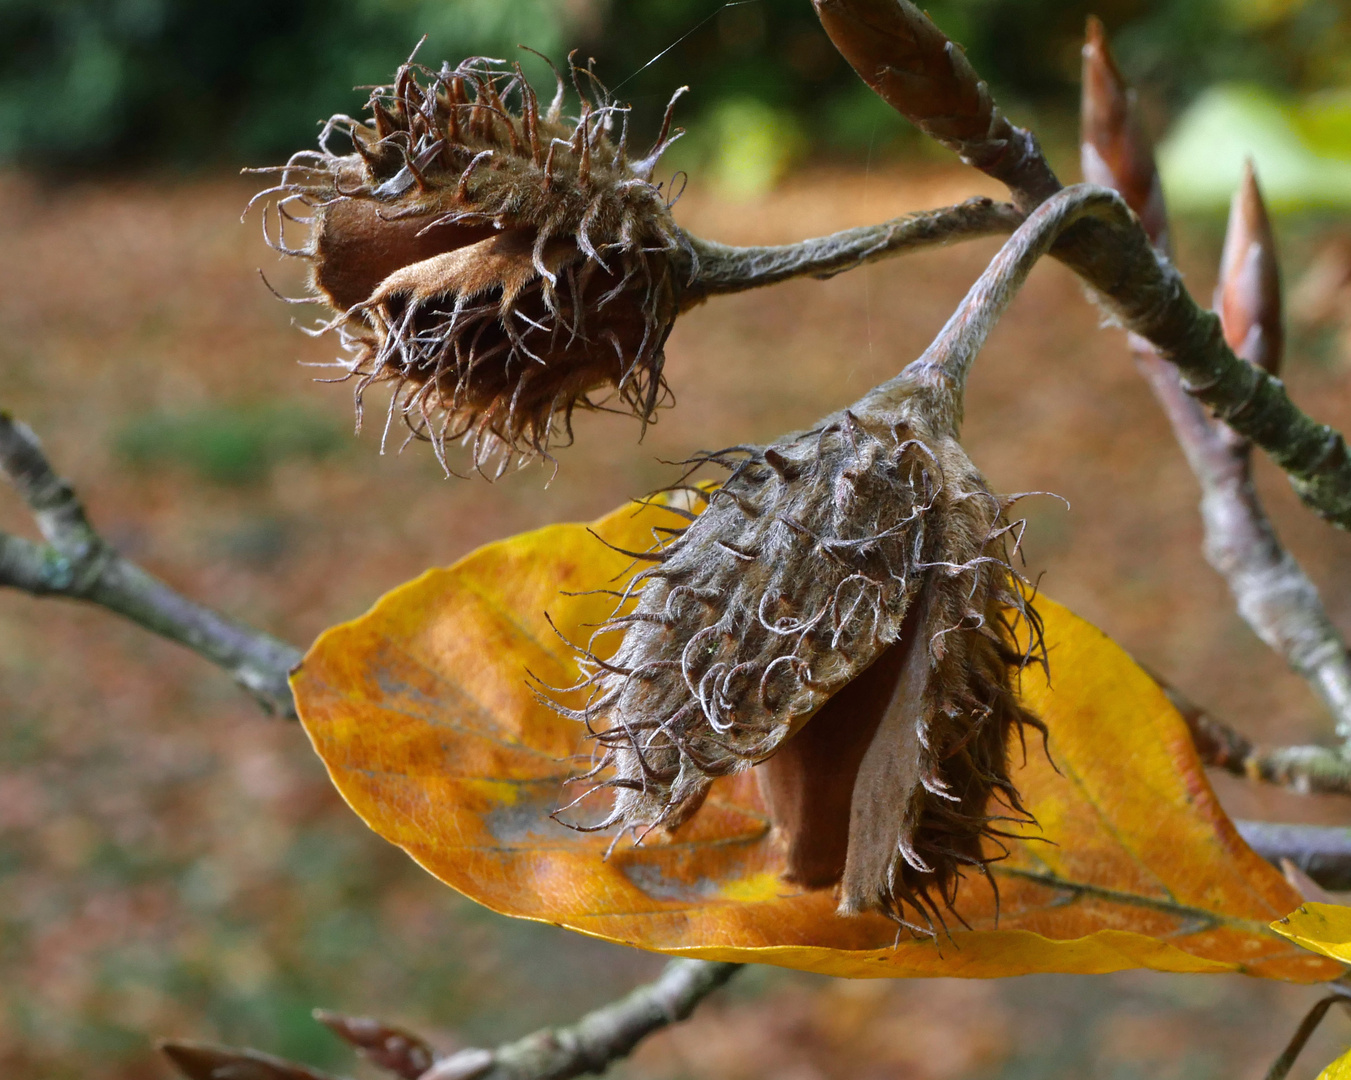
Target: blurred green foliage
column 86, row 83
column 228, row 445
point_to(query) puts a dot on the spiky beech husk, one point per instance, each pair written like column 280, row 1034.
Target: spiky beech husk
column 497, row 263
column 843, row 610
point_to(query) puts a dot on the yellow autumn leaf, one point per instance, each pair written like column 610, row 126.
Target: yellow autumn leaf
column 1338, row 1070
column 1321, row 928
column 422, row 712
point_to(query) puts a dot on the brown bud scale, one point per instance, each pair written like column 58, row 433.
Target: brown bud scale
column 1115, row 150
column 845, row 587
column 498, row 265
column 1248, row 295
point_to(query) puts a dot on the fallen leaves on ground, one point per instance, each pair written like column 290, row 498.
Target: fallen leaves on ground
column 423, row 713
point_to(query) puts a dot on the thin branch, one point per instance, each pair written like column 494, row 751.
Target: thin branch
column 720, row 268
column 1280, row 1069
column 912, row 66
column 76, row 562
column 1270, row 589
column 1321, row 851
column 1307, row 770
column 1092, row 231
column 590, row 1046
column 898, row 51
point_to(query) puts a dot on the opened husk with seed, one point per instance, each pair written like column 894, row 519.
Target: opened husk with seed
column 497, row 265
column 843, row 614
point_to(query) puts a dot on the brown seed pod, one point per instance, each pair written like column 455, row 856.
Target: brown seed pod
column 843, row 610
column 497, row 264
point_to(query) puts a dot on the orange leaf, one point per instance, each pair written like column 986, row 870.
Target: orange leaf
column 422, row 712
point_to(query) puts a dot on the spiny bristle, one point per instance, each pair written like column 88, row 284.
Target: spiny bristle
column 868, row 548
column 495, row 263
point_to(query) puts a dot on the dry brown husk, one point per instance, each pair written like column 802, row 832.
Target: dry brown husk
column 843, row 613
column 495, row 262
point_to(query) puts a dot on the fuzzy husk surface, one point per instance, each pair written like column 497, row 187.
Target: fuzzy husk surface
column 843, row 614
column 496, row 263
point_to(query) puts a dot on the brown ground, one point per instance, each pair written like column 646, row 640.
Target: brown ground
column 172, row 863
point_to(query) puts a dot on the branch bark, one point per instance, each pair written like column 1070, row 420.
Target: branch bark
column 721, row 268
column 590, row 1046
column 77, row 563
column 1270, row 589
column 898, row 51
column 1307, row 770
column 1321, row 851
column 1092, row 231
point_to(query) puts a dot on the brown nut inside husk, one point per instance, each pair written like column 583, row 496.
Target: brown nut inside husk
column 843, row 614
column 496, row 263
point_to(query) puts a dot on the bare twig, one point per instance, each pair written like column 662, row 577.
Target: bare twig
column 1305, row 769
column 1272, row 592
column 1091, row 230
column 1321, row 851
column 77, row 563
column 591, row 1045
column 898, row 51
column 916, row 69
column 720, row 268
column 1280, row 1069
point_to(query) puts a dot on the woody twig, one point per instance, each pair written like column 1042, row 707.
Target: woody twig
column 1272, row 592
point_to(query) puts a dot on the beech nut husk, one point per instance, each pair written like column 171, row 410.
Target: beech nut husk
column 844, row 615
column 497, row 263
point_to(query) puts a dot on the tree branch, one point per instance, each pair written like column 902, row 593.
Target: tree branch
column 898, row 51
column 591, row 1045
column 76, row 562
column 720, row 268
column 1092, row 231
column 1321, row 851
column 912, row 66
column 1271, row 591
column 1307, row 770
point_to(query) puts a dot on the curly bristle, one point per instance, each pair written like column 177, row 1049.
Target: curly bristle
column 495, row 263
column 854, row 579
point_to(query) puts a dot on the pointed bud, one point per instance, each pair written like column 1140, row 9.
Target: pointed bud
column 1114, row 150
column 1248, row 296
column 922, row 74
column 492, row 261
column 389, row 1048
column 202, row 1061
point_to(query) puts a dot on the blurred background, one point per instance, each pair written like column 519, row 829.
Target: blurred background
column 173, row 863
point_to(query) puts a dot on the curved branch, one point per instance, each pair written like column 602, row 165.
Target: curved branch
column 917, row 70
column 1307, row 770
column 602, row 1037
column 591, row 1045
column 1321, row 851
column 1091, row 230
column 718, row 269
column 77, row 563
column 1271, row 590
